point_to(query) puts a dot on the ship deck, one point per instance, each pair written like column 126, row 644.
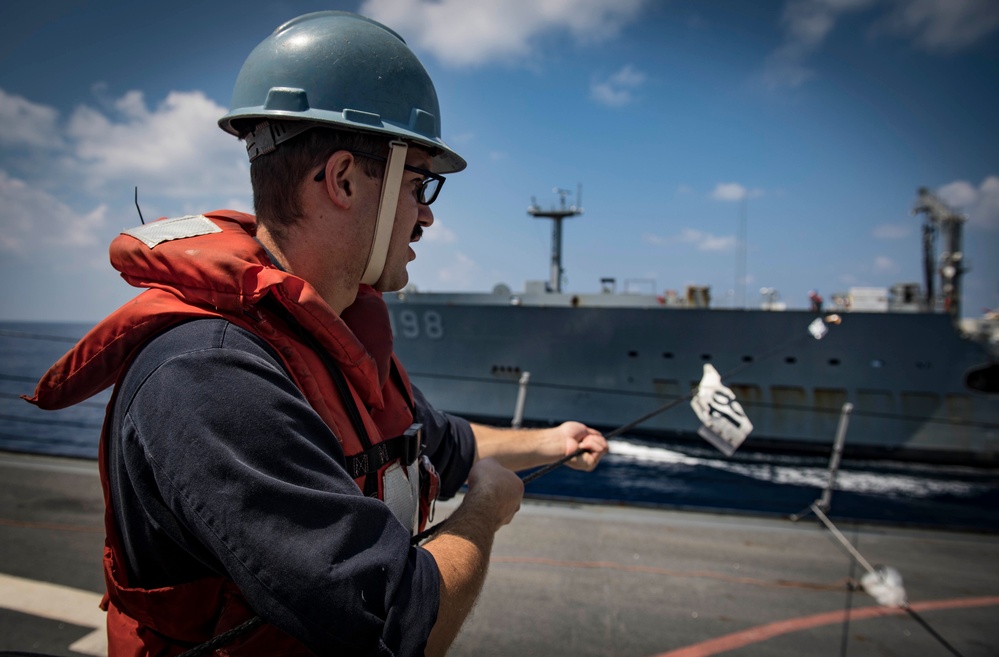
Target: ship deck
column 574, row 579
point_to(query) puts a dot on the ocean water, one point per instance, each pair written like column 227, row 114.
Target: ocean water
column 636, row 472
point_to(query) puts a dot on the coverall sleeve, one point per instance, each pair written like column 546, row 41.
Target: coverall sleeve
column 229, row 459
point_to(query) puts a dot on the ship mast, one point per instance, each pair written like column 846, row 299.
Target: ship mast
column 951, row 260
column 556, row 216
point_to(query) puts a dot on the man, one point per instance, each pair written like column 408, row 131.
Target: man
column 246, row 471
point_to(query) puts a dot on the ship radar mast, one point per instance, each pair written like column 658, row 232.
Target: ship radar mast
column 938, row 214
column 557, row 215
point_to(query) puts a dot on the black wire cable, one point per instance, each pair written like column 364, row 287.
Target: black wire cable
column 222, row 639
column 540, row 472
column 933, row 633
column 850, row 587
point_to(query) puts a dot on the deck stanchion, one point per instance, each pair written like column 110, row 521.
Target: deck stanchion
column 825, row 500
column 518, row 411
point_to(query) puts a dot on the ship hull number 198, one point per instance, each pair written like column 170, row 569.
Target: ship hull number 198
column 414, row 325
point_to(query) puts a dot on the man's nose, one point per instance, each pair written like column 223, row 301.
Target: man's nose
column 426, row 216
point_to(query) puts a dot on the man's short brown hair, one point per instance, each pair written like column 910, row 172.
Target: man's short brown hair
column 278, row 176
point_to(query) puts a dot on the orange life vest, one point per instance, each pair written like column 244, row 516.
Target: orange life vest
column 210, row 266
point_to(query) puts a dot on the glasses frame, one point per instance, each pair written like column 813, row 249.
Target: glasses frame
column 428, row 176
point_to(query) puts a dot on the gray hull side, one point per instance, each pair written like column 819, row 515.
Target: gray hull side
column 904, row 373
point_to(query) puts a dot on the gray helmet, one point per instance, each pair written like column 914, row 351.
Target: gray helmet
column 341, row 70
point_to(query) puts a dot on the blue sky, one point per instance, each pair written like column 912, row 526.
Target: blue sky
column 819, row 118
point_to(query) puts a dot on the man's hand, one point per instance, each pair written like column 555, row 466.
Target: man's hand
column 494, row 491
column 575, row 436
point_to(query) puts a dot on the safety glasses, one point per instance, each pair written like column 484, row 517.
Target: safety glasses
column 429, row 188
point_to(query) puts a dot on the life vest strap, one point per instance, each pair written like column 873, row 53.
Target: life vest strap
column 405, row 448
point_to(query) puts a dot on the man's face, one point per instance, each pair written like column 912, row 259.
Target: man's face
column 410, row 219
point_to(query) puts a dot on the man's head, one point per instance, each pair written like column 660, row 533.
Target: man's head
column 332, row 82
column 276, row 178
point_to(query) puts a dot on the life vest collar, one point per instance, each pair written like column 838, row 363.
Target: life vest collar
column 221, row 273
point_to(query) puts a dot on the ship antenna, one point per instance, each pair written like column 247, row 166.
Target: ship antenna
column 556, row 216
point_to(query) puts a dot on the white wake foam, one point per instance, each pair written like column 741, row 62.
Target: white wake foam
column 888, row 484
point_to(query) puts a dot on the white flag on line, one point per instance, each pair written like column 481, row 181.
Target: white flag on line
column 724, row 423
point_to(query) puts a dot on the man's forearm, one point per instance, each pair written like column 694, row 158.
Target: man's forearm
column 462, row 551
column 520, row 449
column 515, row 449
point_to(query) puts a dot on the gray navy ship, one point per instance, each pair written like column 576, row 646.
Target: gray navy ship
column 922, row 385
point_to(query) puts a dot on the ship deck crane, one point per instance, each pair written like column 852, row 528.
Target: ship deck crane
column 939, row 216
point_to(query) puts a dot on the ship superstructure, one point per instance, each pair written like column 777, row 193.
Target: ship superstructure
column 919, row 388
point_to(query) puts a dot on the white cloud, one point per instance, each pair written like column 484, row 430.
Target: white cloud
column 728, row 192
column 806, row 25
column 618, row 89
column 657, row 240
column 438, row 233
column 940, row 25
column 892, row 231
column 707, row 241
column 83, row 169
column 24, row 123
column 457, row 272
column 32, row 217
column 884, row 264
column 979, row 204
column 734, row 192
column 462, row 33
column 958, row 194
column 461, row 139
column 237, row 203
column 176, row 149
column 702, row 241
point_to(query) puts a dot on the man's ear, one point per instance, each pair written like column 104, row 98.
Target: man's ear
column 341, row 172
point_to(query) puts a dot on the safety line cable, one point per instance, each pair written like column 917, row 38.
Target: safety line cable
column 540, row 472
column 222, row 639
column 747, row 404
column 883, row 415
column 859, row 558
column 845, row 636
column 936, row 635
column 648, row 416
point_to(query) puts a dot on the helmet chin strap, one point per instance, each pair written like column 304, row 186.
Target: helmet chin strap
column 387, row 205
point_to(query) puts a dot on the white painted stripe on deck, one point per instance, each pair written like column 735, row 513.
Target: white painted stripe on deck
column 58, row 603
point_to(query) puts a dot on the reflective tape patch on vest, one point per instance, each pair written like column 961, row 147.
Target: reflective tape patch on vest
column 178, row 228
column 402, row 493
